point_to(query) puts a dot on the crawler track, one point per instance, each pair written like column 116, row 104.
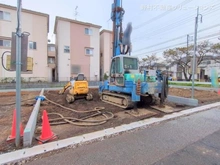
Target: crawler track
column 120, row 100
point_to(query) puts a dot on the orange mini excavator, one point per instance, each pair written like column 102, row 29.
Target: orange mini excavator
column 79, row 88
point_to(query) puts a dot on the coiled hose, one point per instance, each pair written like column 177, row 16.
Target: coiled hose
column 83, row 121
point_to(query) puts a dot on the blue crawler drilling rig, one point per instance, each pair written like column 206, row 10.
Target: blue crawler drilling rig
column 126, row 85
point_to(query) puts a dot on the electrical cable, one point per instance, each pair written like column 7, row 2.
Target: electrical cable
column 173, row 39
column 179, row 21
column 3, row 60
column 173, row 25
column 139, row 13
column 161, row 15
column 76, row 121
column 84, row 122
column 205, row 37
column 73, row 110
column 205, row 5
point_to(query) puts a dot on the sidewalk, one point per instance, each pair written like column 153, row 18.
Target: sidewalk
column 188, row 140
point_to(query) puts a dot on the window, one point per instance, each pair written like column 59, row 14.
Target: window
column 5, row 43
column 112, row 67
column 117, row 65
column 88, row 31
column 66, row 49
column 32, row 45
column 51, row 48
column 51, row 60
column 89, row 51
column 130, row 63
column 5, row 15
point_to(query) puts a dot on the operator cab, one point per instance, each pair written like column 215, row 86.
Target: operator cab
column 121, row 65
column 80, row 77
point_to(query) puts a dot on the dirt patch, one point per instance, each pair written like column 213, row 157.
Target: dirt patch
column 203, row 96
column 69, row 130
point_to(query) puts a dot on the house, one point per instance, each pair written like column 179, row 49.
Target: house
column 51, row 60
column 106, row 52
column 35, row 23
column 203, row 71
column 78, row 49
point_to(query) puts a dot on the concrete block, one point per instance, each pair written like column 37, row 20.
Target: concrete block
column 182, row 100
column 31, row 124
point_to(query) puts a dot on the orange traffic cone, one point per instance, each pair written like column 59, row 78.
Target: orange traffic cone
column 46, row 133
column 13, row 130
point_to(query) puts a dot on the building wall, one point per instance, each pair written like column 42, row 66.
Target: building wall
column 63, row 39
column 79, row 41
column 37, row 26
column 72, row 33
column 95, row 58
column 101, row 56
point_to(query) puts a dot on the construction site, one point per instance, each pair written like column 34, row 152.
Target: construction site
column 89, row 84
column 82, row 116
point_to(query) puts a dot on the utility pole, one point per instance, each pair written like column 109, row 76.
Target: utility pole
column 187, row 46
column 187, row 53
column 195, row 49
column 18, row 73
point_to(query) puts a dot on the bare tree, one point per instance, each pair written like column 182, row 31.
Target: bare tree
column 182, row 59
column 149, row 60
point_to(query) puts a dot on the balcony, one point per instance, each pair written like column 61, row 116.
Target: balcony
column 51, row 62
column 51, row 51
column 52, row 66
column 51, row 54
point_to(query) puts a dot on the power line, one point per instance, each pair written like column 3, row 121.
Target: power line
column 183, row 36
column 161, row 15
column 182, row 43
column 179, row 21
column 171, row 26
column 211, row 38
column 141, row 12
column 204, row 5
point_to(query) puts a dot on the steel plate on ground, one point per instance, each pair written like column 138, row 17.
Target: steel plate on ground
column 165, row 109
column 141, row 113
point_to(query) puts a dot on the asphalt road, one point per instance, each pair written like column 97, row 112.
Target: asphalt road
column 190, row 140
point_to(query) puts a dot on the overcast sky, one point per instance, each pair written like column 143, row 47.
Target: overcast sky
column 157, row 24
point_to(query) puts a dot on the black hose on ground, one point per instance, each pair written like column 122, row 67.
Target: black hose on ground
column 83, row 121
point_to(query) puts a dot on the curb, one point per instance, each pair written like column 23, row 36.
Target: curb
column 98, row 135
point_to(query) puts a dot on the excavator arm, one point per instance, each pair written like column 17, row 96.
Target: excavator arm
column 65, row 88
